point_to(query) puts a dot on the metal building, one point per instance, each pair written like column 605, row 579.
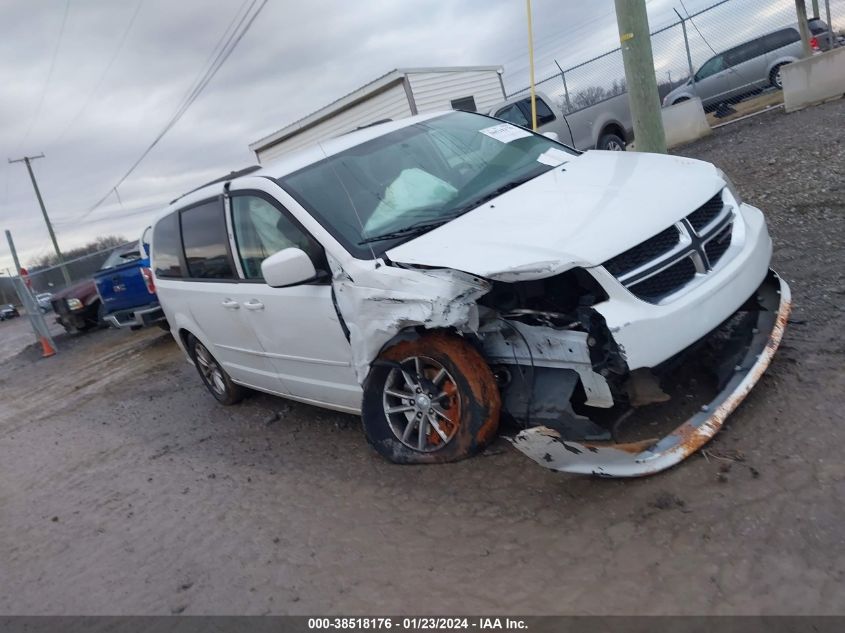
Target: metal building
column 395, row 95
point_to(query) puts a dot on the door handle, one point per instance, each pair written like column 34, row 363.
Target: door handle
column 230, row 304
column 254, row 304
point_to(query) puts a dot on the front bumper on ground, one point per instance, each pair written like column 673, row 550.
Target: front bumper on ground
column 547, row 448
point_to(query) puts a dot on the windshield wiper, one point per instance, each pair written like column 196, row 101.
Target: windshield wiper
column 413, row 229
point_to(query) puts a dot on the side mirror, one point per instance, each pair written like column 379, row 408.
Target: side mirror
column 288, row 267
column 552, row 135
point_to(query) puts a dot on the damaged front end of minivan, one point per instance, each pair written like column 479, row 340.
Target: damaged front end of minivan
column 566, row 386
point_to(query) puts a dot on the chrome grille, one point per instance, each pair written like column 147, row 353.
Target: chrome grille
column 666, row 263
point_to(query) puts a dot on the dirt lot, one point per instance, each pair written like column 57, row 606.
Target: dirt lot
column 124, row 488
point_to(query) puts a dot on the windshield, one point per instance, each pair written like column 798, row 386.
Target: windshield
column 391, row 188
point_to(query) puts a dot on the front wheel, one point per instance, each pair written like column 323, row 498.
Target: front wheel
column 612, row 143
column 428, row 400
column 214, row 377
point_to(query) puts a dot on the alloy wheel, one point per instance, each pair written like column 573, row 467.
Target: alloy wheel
column 210, row 369
column 421, row 404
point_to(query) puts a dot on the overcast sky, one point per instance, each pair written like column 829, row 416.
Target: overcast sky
column 105, row 98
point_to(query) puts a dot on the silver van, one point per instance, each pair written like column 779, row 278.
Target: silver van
column 742, row 69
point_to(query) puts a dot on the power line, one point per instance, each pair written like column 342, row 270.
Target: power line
column 105, row 72
column 37, row 110
column 225, row 51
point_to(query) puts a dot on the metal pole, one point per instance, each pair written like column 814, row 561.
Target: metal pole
column 36, row 319
column 803, row 27
column 829, row 25
column 816, row 9
column 565, row 88
column 531, row 68
column 3, row 289
column 686, row 42
column 637, row 56
column 61, row 259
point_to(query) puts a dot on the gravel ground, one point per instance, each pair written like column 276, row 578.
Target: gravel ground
column 124, row 488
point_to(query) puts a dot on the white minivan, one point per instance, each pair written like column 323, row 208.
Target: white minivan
column 448, row 272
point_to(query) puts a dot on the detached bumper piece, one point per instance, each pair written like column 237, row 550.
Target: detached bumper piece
column 637, row 459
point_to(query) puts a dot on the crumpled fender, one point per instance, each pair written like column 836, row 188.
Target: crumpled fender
column 376, row 307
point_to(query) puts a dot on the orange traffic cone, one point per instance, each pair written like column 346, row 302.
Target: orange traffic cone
column 46, row 349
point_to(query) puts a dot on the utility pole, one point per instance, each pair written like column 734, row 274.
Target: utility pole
column 803, row 27
column 531, row 66
column 26, row 160
column 637, row 56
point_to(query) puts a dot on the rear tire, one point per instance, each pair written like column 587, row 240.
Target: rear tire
column 213, row 376
column 611, row 143
column 430, row 400
column 775, row 77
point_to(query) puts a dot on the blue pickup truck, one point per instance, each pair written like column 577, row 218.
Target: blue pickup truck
column 127, row 290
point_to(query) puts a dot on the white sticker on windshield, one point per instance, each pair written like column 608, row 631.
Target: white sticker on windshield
column 505, row 132
column 554, row 157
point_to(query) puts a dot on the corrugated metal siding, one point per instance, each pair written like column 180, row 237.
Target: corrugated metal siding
column 434, row 91
column 390, row 104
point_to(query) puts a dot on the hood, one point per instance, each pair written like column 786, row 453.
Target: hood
column 581, row 213
column 81, row 290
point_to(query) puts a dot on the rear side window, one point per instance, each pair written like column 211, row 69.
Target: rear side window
column 166, row 247
column 779, row 39
column 206, row 240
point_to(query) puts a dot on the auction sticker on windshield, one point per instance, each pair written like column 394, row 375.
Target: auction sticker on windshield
column 554, row 157
column 505, row 132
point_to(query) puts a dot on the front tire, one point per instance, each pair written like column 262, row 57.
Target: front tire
column 611, row 143
column 214, row 377
column 430, row 400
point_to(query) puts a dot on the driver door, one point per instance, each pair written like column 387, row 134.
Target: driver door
column 298, row 326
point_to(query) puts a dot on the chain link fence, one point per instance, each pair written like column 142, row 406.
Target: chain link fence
column 52, row 279
column 731, row 48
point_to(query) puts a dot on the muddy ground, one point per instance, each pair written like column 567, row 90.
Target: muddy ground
column 125, row 489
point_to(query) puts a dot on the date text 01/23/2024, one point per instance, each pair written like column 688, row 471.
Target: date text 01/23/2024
column 416, row 624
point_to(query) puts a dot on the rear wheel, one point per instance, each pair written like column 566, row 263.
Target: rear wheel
column 611, row 142
column 213, row 376
column 775, row 77
column 432, row 399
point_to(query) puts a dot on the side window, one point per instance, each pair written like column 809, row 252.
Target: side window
column 544, row 112
column 512, row 114
column 710, row 67
column 205, row 239
column 262, row 228
column 166, row 247
column 781, row 38
column 744, row 53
